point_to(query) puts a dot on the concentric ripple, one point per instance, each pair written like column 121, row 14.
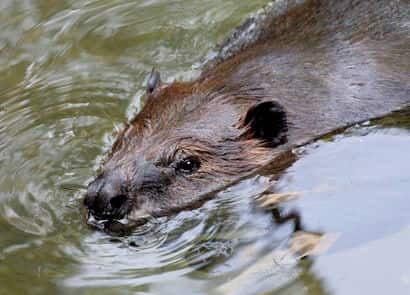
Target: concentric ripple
column 69, row 71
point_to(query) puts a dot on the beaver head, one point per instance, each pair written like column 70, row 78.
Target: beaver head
column 189, row 139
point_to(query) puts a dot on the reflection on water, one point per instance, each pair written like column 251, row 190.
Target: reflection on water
column 358, row 187
column 69, row 71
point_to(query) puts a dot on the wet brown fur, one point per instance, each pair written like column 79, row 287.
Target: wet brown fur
column 328, row 63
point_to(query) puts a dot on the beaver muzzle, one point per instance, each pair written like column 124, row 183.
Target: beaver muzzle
column 106, row 199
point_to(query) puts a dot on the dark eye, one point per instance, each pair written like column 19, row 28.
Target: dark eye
column 188, row 165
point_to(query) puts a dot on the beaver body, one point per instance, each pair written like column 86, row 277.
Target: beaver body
column 329, row 63
column 317, row 67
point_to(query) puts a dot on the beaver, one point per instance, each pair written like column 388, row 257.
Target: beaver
column 310, row 68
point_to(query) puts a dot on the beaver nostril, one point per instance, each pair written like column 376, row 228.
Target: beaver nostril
column 117, row 201
column 88, row 201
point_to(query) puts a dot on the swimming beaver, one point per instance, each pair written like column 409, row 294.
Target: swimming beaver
column 307, row 70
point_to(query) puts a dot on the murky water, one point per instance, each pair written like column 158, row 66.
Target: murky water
column 70, row 74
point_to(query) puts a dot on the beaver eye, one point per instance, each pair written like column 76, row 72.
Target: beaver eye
column 188, row 165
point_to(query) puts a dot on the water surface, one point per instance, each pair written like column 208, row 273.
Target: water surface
column 71, row 72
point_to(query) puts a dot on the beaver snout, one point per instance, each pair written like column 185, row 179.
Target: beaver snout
column 105, row 198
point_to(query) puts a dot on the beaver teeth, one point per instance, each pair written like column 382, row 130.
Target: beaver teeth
column 99, row 224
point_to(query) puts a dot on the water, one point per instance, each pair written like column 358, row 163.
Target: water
column 70, row 74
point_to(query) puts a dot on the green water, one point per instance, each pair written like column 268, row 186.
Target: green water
column 72, row 71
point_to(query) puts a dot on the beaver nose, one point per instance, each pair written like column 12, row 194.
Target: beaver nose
column 105, row 200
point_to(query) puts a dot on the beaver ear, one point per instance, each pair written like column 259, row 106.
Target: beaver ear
column 154, row 81
column 267, row 121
